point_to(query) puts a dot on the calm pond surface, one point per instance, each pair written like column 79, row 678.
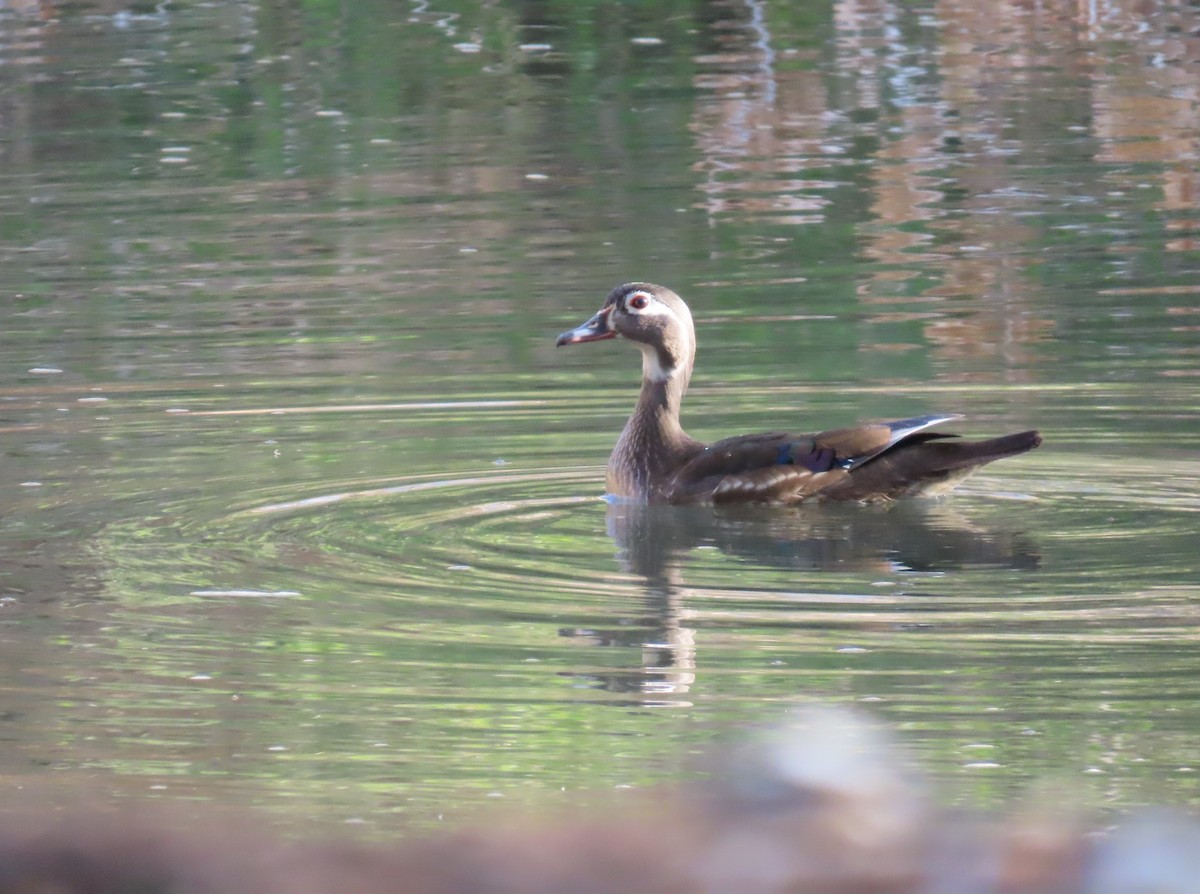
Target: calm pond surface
column 300, row 507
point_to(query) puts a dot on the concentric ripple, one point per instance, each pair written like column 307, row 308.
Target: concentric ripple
column 507, row 593
column 506, row 543
column 538, row 545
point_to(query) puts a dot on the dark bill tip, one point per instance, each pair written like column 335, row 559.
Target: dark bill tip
column 595, row 329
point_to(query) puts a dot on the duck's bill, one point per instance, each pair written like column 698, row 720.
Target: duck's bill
column 595, row 329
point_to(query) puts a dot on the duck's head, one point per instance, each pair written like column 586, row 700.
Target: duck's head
column 655, row 319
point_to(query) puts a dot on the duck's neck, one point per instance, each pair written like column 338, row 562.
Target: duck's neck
column 653, row 442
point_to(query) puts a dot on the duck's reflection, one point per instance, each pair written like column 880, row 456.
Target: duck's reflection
column 653, row 541
column 656, row 543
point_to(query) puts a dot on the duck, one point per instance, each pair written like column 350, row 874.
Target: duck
column 655, row 461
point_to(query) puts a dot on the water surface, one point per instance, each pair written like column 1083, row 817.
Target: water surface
column 302, row 507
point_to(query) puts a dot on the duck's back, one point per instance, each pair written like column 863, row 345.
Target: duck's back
column 880, row 461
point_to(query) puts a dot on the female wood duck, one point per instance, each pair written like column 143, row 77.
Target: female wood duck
column 656, row 461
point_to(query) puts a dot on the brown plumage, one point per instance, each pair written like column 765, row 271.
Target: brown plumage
column 657, row 461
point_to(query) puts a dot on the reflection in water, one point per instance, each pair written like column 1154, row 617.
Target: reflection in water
column 656, row 542
column 758, row 130
column 921, row 113
column 653, row 541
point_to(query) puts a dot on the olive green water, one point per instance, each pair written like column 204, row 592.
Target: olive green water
column 300, row 507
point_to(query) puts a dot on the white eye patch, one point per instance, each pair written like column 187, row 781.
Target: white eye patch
column 646, row 305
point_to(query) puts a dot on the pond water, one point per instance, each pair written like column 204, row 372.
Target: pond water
column 302, row 508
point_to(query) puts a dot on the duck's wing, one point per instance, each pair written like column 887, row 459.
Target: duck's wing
column 780, row 467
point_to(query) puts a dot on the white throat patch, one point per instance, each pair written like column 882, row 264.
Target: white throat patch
column 652, row 369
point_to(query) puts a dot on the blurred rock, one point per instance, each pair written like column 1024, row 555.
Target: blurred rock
column 823, row 804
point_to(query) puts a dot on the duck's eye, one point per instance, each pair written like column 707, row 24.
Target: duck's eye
column 639, row 300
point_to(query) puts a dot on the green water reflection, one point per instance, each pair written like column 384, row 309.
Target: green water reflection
column 301, row 505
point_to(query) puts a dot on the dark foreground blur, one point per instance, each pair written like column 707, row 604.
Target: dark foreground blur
column 821, row 804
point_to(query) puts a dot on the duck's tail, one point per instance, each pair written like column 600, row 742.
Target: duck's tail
column 927, row 464
column 951, row 453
